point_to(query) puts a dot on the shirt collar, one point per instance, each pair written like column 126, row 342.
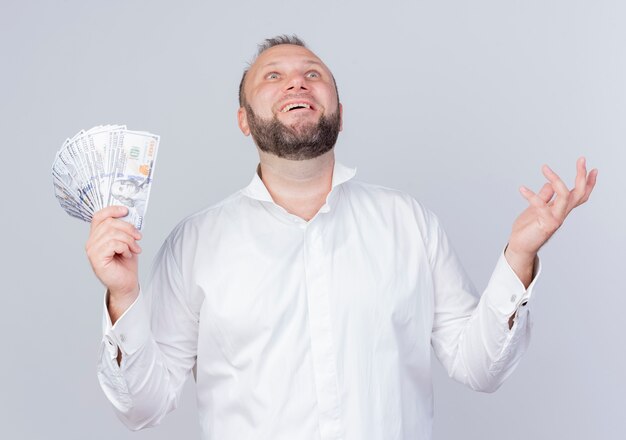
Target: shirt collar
column 257, row 189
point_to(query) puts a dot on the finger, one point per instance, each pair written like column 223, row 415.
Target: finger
column 533, row 198
column 109, row 249
column 115, row 223
column 562, row 192
column 102, row 255
column 109, row 211
column 581, row 180
column 114, row 247
column 591, row 183
column 123, row 250
column 581, row 172
column 110, row 224
column 103, row 247
column 546, row 193
column 126, row 238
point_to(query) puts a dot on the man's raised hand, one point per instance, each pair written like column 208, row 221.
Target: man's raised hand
column 546, row 212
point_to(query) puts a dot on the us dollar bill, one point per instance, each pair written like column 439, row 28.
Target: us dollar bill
column 104, row 166
column 134, row 166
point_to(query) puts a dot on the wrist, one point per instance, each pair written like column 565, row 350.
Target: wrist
column 523, row 257
column 522, row 263
column 117, row 302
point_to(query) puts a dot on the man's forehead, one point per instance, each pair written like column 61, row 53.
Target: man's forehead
column 284, row 54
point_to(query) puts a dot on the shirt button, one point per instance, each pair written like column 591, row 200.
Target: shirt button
column 513, row 298
column 122, row 338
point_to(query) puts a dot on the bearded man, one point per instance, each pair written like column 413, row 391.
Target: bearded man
column 306, row 303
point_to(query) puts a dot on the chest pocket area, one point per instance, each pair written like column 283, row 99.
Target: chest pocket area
column 253, row 304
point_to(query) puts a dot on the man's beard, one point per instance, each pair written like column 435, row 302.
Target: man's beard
column 301, row 142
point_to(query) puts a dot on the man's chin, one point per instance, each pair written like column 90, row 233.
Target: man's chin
column 295, row 138
column 302, row 129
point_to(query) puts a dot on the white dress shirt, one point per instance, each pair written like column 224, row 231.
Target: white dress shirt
column 313, row 330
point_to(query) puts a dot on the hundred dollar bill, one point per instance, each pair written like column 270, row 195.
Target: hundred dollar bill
column 106, row 165
column 98, row 146
column 133, row 168
column 67, row 173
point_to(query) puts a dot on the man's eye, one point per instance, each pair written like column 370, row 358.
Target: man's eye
column 272, row 75
column 313, row 74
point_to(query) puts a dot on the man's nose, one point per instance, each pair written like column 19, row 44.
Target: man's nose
column 296, row 82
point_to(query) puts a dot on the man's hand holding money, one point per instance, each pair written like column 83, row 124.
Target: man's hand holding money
column 113, row 251
column 103, row 176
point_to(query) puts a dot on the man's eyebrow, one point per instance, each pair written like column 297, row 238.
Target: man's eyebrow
column 307, row 62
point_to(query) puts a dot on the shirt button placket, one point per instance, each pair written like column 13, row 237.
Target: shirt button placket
column 322, row 346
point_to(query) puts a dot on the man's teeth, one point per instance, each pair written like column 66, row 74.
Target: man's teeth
column 296, row 105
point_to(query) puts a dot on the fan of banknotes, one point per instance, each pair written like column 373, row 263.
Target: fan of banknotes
column 105, row 166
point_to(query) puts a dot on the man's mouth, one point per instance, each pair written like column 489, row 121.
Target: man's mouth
column 296, row 106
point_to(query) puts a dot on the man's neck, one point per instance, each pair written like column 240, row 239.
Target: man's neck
column 299, row 186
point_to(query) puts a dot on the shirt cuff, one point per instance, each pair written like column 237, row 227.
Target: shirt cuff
column 131, row 330
column 505, row 291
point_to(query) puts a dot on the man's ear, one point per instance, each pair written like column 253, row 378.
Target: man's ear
column 242, row 120
column 340, row 116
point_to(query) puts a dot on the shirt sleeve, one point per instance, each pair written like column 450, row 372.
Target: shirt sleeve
column 157, row 336
column 471, row 335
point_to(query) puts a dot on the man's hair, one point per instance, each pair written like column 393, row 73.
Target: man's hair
column 267, row 44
